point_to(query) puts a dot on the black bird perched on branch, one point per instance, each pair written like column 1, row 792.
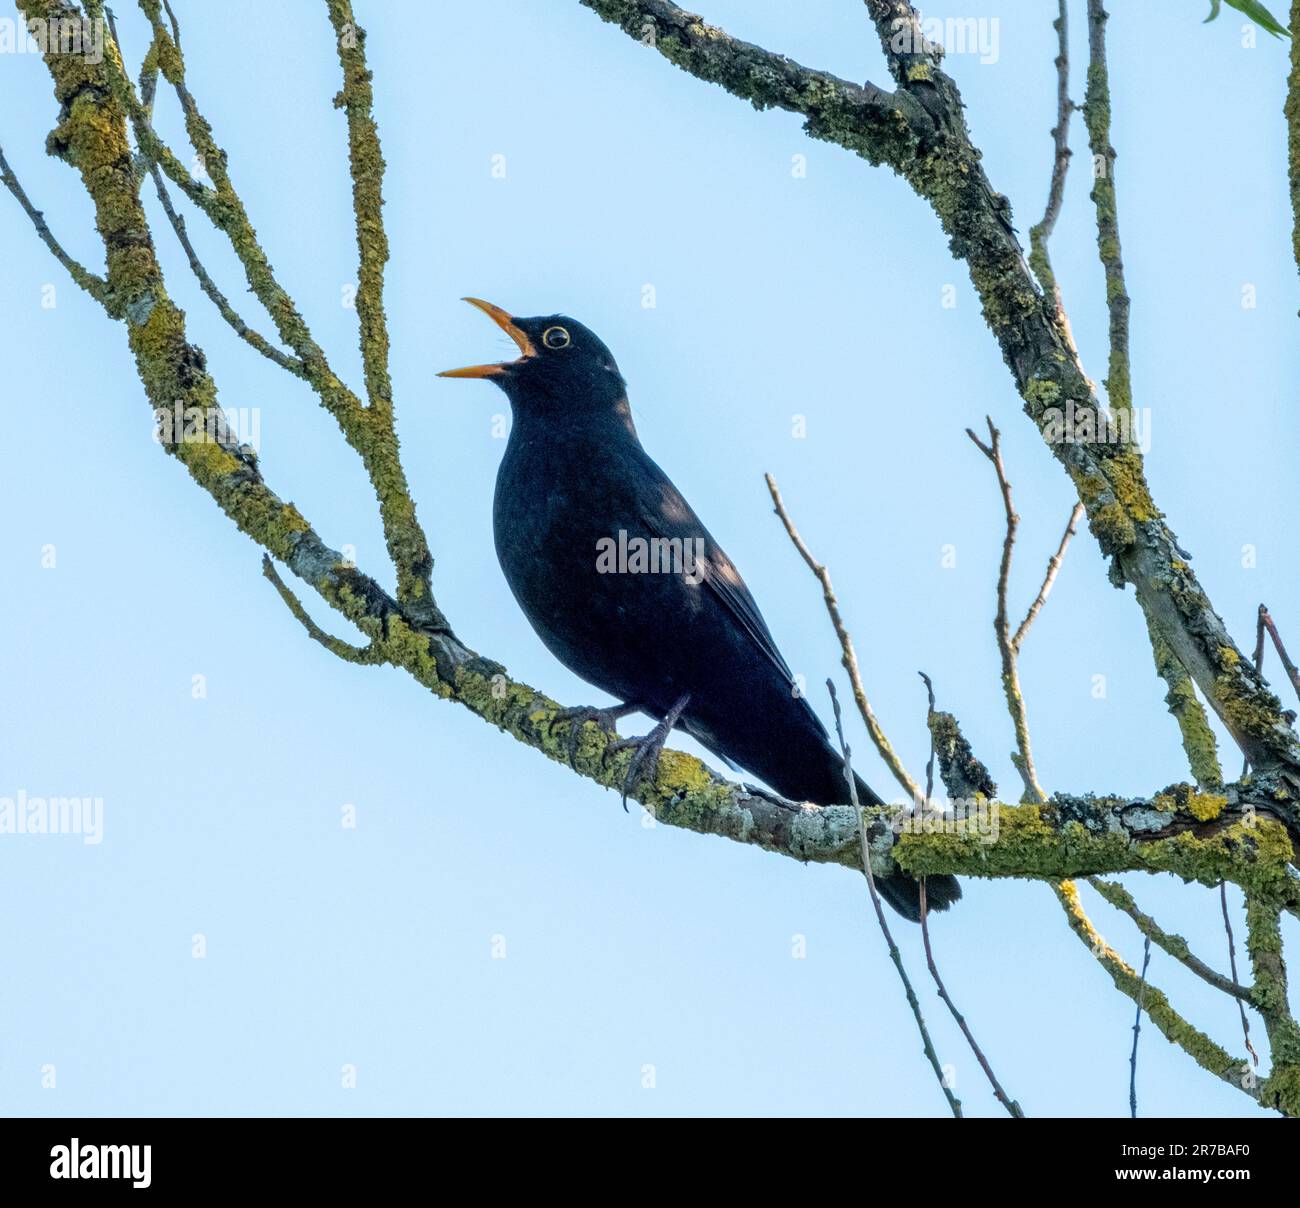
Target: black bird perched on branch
column 629, row 590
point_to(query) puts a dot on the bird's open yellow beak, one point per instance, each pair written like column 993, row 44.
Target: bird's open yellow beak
column 507, row 324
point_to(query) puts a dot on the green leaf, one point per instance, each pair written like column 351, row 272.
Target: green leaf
column 1256, row 12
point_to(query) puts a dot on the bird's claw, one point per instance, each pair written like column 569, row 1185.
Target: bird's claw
column 645, row 762
column 578, row 716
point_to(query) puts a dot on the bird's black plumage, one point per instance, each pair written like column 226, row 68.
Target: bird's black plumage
column 580, row 511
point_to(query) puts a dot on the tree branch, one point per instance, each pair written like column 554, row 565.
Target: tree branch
column 920, row 132
column 1196, row 1044
column 1068, row 837
column 94, row 285
column 1096, row 116
column 1174, row 945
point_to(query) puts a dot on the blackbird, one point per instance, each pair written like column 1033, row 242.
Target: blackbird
column 629, row 590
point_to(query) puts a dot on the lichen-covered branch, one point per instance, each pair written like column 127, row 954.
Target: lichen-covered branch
column 376, row 436
column 962, row 773
column 368, row 430
column 1292, row 112
column 1199, row 743
column 1096, row 116
column 1175, row 945
column 1264, row 943
column 252, row 338
column 361, row 655
column 920, row 132
column 1069, row 836
column 1153, row 1001
column 1041, row 232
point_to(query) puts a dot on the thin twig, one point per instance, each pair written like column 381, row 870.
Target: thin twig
column 362, row 655
column 1137, row 1031
column 253, row 338
column 848, row 657
column 1053, row 568
column 929, row 763
column 1041, row 232
column 894, row 955
column 1293, row 674
column 1232, row 965
column 1175, row 945
column 94, row 285
column 1024, row 757
column 1013, row 1108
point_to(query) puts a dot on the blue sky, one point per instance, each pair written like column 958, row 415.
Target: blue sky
column 632, row 954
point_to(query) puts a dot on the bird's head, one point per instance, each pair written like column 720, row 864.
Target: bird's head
column 563, row 367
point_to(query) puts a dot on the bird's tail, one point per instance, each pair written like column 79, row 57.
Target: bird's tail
column 902, row 890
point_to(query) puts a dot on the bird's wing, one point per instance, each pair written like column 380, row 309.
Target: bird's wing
column 666, row 513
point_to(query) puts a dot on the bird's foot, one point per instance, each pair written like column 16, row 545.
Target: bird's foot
column 579, row 715
column 646, row 760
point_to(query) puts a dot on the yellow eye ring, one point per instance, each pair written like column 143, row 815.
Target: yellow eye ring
column 555, row 338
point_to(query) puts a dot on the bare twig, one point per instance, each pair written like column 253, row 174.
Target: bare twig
column 929, row 763
column 1137, row 1031
column 254, row 339
column 927, row 1045
column 1053, row 568
column 94, row 285
column 1232, row 965
column 1024, row 757
column 1013, row 1108
column 1293, row 674
column 848, row 656
column 1040, row 234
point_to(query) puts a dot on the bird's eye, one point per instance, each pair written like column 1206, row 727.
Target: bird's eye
column 555, row 337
